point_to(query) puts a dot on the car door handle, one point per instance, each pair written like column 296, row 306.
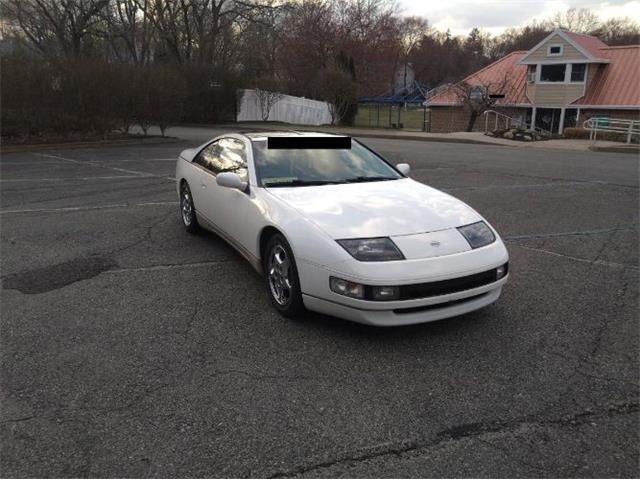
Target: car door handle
column 203, row 185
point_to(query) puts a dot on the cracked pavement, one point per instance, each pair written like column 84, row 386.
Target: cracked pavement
column 129, row 348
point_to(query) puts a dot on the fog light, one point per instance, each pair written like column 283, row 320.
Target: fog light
column 385, row 293
column 346, row 288
column 501, row 271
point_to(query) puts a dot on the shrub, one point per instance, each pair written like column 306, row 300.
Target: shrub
column 583, row 133
column 80, row 96
column 167, row 94
column 575, row 132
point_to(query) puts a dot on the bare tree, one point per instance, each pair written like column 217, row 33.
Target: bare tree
column 268, row 95
column 412, row 30
column 479, row 96
column 619, row 31
column 580, row 20
column 129, row 30
column 56, row 26
column 199, row 31
column 339, row 90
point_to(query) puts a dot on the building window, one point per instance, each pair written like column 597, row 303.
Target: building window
column 554, row 50
column 531, row 73
column 553, row 73
column 578, row 71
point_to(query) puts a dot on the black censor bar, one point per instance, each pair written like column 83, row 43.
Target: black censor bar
column 309, row 143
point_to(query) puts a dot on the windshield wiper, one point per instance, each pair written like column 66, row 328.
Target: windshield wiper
column 369, row 179
column 302, row 183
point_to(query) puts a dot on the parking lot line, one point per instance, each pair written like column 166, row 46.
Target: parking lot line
column 84, row 207
column 172, row 266
column 116, row 160
column 95, row 164
column 530, row 185
column 575, row 259
column 70, row 179
column 572, row 233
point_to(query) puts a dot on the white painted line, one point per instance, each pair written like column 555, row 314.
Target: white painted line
column 47, row 155
column 155, row 203
column 28, row 162
column 53, row 161
column 145, row 160
column 85, row 207
column 577, row 259
column 64, row 209
column 95, row 164
column 570, row 234
column 171, row 267
column 525, row 186
column 73, row 179
column 126, row 170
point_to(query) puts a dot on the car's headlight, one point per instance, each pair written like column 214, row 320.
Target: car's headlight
column 477, row 234
column 372, row 249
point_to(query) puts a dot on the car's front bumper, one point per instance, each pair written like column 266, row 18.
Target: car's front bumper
column 317, row 295
column 406, row 316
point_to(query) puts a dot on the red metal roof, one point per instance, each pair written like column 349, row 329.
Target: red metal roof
column 592, row 45
column 504, row 70
column 615, row 84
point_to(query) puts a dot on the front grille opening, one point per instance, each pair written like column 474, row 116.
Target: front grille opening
column 444, row 287
column 425, row 308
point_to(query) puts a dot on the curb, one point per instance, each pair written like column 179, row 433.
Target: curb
column 615, row 149
column 91, row 144
column 351, row 133
column 426, row 139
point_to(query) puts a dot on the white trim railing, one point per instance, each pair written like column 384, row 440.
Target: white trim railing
column 617, row 125
column 500, row 119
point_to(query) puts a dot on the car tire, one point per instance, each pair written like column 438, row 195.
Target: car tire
column 281, row 277
column 188, row 210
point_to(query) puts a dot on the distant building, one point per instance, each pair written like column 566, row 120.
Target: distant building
column 564, row 80
column 403, row 80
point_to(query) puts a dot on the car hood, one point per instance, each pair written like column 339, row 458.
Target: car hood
column 377, row 209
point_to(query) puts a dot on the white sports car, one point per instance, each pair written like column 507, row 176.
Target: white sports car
column 335, row 228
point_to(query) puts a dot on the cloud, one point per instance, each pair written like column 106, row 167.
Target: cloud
column 495, row 16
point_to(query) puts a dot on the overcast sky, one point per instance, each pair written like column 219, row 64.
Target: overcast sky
column 495, row 16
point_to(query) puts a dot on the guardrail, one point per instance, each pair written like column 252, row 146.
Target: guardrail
column 617, row 125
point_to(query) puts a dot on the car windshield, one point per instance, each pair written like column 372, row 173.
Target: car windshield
column 300, row 167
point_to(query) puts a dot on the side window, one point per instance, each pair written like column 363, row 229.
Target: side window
column 233, row 157
column 225, row 155
column 208, row 158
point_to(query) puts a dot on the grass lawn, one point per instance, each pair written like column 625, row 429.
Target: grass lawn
column 371, row 116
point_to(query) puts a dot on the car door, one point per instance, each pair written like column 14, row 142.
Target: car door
column 225, row 208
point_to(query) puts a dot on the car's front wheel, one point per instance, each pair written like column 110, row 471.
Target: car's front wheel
column 281, row 275
column 188, row 210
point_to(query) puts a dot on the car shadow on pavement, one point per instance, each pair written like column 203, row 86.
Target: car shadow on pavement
column 449, row 326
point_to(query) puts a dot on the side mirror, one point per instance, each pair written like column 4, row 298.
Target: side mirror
column 231, row 180
column 403, row 168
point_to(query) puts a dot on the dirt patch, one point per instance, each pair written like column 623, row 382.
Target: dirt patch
column 46, row 279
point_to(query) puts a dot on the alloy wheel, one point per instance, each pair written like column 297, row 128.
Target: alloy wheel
column 278, row 271
column 187, row 207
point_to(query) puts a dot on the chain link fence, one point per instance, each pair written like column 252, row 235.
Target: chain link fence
column 392, row 116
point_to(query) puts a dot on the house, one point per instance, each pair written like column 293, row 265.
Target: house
column 564, row 80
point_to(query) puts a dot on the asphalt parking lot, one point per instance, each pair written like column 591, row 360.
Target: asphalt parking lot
column 130, row 348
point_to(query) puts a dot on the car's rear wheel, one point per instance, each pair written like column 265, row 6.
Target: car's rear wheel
column 188, row 210
column 281, row 275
